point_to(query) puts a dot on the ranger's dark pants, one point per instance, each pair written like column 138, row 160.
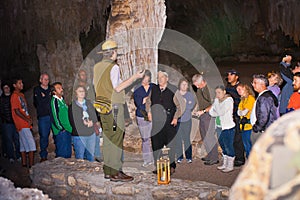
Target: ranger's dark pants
column 163, row 133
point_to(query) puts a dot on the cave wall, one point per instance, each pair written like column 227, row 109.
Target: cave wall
column 55, row 36
column 226, row 27
column 41, row 35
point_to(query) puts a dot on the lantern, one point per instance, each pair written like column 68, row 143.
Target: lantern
column 163, row 167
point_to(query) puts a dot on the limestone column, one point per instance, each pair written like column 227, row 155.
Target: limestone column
column 137, row 26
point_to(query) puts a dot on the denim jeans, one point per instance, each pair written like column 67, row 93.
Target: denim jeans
column 183, row 134
column 44, row 124
column 11, row 140
column 145, row 131
column 221, row 143
column 247, row 141
column 63, row 144
column 97, row 147
column 226, row 139
column 84, row 146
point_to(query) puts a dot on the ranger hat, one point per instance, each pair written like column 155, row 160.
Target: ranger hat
column 108, row 45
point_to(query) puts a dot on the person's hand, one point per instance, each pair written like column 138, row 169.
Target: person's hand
column 90, row 123
column 174, row 122
column 144, row 100
column 140, row 74
column 149, row 116
column 287, row 59
column 199, row 113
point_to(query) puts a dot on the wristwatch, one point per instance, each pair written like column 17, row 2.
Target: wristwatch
column 204, row 111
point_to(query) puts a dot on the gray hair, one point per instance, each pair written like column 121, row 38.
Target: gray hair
column 197, row 78
column 262, row 78
column 164, row 73
column 43, row 74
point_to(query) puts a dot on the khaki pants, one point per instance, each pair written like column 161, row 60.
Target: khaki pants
column 113, row 141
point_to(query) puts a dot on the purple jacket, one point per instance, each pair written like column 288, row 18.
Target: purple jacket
column 276, row 91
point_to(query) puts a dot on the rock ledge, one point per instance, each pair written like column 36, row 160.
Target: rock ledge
column 80, row 179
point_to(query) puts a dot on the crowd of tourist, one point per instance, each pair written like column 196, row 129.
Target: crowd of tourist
column 234, row 117
column 76, row 124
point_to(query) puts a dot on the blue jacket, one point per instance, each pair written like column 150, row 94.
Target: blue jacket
column 138, row 96
column 287, row 89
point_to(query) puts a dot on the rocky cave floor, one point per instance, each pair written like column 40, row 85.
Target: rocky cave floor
column 195, row 171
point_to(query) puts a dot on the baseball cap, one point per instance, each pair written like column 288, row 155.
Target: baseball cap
column 232, row 71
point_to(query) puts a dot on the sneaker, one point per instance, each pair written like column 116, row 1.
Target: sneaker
column 189, row 161
column 11, row 160
column 179, row 160
column 19, row 159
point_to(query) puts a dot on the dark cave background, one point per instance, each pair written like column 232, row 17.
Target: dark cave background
column 230, row 30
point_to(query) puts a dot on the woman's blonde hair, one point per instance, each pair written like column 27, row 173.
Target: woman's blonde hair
column 249, row 90
column 277, row 76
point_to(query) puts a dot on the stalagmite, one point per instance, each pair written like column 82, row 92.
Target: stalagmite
column 137, row 26
column 272, row 171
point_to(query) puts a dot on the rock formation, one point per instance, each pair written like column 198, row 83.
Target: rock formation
column 55, row 36
column 79, row 179
column 48, row 36
column 138, row 27
column 9, row 192
column 229, row 28
column 272, row 171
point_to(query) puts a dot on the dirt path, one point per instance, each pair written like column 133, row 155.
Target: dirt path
column 197, row 171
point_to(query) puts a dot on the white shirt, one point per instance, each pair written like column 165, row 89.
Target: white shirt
column 253, row 113
column 59, row 98
column 224, row 110
column 115, row 76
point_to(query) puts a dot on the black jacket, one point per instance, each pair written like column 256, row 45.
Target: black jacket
column 41, row 100
column 162, row 102
column 5, row 109
column 266, row 111
column 231, row 90
column 76, row 121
